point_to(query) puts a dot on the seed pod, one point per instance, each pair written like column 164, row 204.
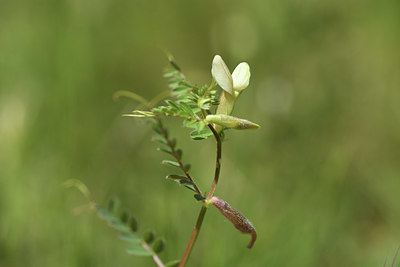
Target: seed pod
column 231, row 122
column 239, row 221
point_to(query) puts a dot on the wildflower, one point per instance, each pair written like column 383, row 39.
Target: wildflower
column 232, row 84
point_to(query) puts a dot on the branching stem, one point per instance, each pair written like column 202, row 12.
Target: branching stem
column 203, row 210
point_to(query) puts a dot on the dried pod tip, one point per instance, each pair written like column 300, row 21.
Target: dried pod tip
column 238, row 220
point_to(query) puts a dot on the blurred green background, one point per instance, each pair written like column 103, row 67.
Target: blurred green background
column 320, row 180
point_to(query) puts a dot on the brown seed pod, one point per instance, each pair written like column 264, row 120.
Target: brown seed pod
column 238, row 220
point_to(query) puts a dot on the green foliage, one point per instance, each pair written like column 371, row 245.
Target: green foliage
column 133, row 225
column 125, row 217
column 138, row 250
column 194, row 105
column 113, row 205
column 158, row 245
column 128, row 226
column 148, row 237
column 189, row 102
column 168, row 146
column 130, row 237
column 323, row 177
column 170, row 163
column 199, row 197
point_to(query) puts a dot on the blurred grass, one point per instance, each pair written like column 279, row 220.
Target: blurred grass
column 319, row 180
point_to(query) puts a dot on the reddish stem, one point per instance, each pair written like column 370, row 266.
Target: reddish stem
column 203, row 210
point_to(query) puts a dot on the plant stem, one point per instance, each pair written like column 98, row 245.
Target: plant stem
column 218, row 162
column 156, row 259
column 195, row 233
column 203, row 210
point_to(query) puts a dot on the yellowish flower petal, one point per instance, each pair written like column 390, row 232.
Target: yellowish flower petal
column 221, row 74
column 241, row 76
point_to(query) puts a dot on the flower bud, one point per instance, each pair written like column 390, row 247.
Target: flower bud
column 231, row 122
column 241, row 77
column 238, row 220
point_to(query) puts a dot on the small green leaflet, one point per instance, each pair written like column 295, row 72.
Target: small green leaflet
column 170, row 73
column 199, row 197
column 170, row 163
column 148, row 237
column 158, row 246
column 176, row 177
column 138, row 250
column 118, row 225
column 131, row 238
column 200, row 135
column 165, row 149
column 105, row 214
column 159, row 138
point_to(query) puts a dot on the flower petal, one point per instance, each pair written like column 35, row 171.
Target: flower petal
column 241, row 76
column 221, row 74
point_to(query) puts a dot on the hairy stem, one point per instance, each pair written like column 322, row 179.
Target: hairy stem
column 203, row 210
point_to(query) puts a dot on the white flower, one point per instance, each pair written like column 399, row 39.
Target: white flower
column 241, row 77
column 231, row 83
